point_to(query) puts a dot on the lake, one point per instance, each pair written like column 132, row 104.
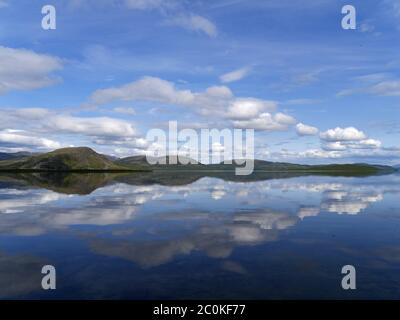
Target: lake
column 199, row 238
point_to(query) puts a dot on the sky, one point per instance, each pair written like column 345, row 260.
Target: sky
column 114, row 69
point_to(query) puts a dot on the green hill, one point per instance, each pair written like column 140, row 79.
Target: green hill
column 67, row 159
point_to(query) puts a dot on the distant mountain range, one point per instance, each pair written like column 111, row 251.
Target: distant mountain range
column 259, row 165
column 14, row 156
column 86, row 159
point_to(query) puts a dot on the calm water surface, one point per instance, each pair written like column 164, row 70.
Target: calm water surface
column 272, row 239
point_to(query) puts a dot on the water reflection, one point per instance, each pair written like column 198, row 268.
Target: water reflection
column 153, row 225
column 20, row 274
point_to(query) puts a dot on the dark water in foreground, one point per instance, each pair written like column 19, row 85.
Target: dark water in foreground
column 211, row 238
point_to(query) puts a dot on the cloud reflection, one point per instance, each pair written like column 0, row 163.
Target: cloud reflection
column 170, row 221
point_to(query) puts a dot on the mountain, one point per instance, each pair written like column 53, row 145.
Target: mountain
column 263, row 166
column 86, row 159
column 67, row 159
column 135, row 160
column 340, row 169
column 14, row 156
column 169, row 162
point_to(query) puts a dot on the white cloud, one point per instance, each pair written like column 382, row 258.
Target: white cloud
column 176, row 15
column 125, row 110
column 99, row 127
column 381, row 84
column 343, row 134
column 124, row 144
column 32, row 113
column 266, row 122
column 248, row 108
column 284, row 119
column 310, row 153
column 366, row 144
column 26, row 70
column 234, row 75
column 219, row 92
column 334, row 146
column 144, row 4
column 195, row 23
column 340, row 139
column 217, row 101
column 20, row 137
column 305, row 130
column 3, row 3
column 367, row 150
column 372, row 77
column 306, row 78
column 145, row 89
column 386, row 88
column 349, row 92
column 366, row 27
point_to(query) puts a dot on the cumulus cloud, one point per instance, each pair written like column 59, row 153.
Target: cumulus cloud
column 362, row 144
column 305, row 130
column 334, row 146
column 125, row 145
column 20, row 137
column 146, row 89
column 284, row 119
column 343, row 134
column 342, row 139
column 216, row 101
column 248, row 108
column 366, row 144
column 101, row 126
column 26, row 70
column 234, row 75
column 102, row 131
column 266, row 122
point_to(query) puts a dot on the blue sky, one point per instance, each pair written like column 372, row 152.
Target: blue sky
column 114, row 69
